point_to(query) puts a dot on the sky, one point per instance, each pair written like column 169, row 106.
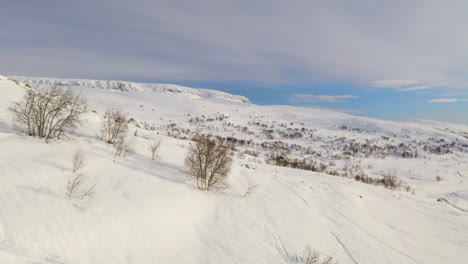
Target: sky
column 399, row 59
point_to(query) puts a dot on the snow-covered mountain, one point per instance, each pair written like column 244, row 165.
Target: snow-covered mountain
column 296, row 182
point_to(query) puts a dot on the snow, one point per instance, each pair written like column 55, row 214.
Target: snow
column 131, row 86
column 148, row 211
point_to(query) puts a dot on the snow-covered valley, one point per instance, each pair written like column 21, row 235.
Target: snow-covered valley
column 300, row 178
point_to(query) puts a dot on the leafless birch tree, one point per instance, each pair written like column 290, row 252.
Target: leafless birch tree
column 48, row 113
column 208, row 162
column 114, row 125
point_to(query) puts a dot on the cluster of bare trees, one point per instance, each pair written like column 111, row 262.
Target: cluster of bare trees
column 114, row 131
column 208, row 162
column 77, row 187
column 48, row 113
column 389, row 180
column 115, row 126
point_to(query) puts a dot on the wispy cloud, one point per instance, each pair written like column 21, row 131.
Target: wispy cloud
column 415, row 88
column 447, row 100
column 394, row 83
column 310, row 98
column 402, row 85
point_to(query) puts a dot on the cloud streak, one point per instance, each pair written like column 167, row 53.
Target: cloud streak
column 447, row 100
column 401, row 85
column 415, row 88
column 393, row 83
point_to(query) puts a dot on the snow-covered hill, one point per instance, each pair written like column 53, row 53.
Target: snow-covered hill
column 132, row 86
column 146, row 211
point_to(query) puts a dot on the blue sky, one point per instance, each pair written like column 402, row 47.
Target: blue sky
column 389, row 59
column 366, row 101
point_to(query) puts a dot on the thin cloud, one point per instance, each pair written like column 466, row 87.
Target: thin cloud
column 401, row 85
column 447, row 100
column 393, row 83
column 415, row 88
column 310, row 98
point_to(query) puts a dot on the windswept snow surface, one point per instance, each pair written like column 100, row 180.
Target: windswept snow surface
column 146, row 211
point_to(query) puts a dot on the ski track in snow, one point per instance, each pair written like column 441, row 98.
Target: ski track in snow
column 349, row 220
column 277, row 236
column 345, row 249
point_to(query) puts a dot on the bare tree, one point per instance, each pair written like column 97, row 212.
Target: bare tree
column 122, row 147
column 209, row 162
column 76, row 187
column 127, row 147
column 78, row 160
column 154, row 148
column 119, row 147
column 114, row 125
column 48, row 113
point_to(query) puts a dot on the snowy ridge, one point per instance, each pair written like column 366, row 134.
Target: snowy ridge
column 133, row 86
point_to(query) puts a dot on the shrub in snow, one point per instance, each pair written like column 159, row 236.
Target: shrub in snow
column 312, row 256
column 48, row 113
column 208, row 162
column 122, row 147
column 114, row 125
column 78, row 160
column 77, row 187
column 391, row 181
column 154, row 148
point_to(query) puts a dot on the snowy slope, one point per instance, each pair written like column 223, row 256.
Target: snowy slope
column 151, row 212
column 131, row 86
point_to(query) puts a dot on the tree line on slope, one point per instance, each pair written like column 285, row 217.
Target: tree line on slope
column 51, row 112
